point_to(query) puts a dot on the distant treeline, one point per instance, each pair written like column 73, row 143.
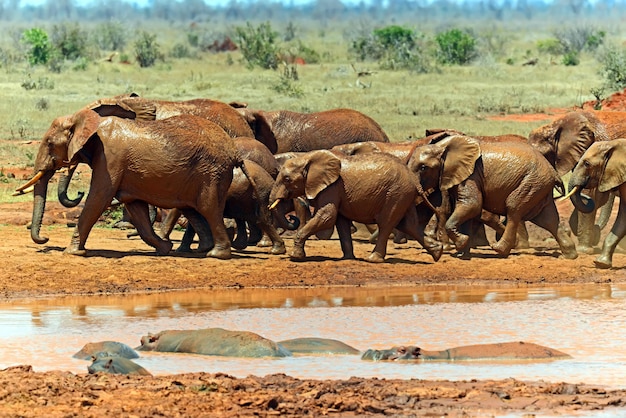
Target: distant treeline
column 322, row 10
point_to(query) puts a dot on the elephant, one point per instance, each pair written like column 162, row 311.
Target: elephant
column 116, row 365
column 301, row 132
column 140, row 163
column 602, row 166
column 371, row 188
column 563, row 142
column 498, row 351
column 105, row 349
column 511, row 179
column 213, row 342
column 315, row 345
column 244, row 203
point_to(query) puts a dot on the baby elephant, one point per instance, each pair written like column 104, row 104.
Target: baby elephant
column 371, row 189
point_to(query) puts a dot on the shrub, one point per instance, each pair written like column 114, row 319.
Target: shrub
column 111, row 36
column 180, row 51
column 571, row 58
column 39, row 46
column 146, row 49
column 70, row 41
column 258, row 45
column 393, row 36
column 455, row 47
column 579, row 38
column 614, row 67
column 550, row 46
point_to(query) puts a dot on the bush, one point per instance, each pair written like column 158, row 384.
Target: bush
column 111, row 36
column 39, row 46
column 550, row 46
column 258, row 45
column 146, row 49
column 579, row 38
column 70, row 41
column 394, row 47
column 614, row 68
column 571, row 58
column 455, row 47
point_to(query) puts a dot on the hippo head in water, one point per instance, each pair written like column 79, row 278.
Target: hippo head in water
column 403, row 352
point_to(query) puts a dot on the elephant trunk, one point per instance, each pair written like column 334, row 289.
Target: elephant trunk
column 583, row 203
column 64, row 183
column 284, row 219
column 39, row 206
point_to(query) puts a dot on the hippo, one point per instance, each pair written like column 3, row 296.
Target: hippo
column 214, row 342
column 314, row 345
column 116, row 365
column 498, row 351
column 106, row 349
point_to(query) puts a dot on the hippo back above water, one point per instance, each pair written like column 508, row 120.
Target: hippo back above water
column 214, row 342
column 105, row 349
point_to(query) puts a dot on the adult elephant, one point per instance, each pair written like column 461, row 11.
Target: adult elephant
column 509, row 179
column 371, row 189
column 301, row 132
column 563, row 142
column 140, row 163
column 602, row 166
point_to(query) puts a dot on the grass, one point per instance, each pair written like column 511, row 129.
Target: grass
column 405, row 104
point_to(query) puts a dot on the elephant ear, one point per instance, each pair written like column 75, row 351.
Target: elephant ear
column 459, row 159
column 322, row 170
column 125, row 106
column 615, row 170
column 82, row 125
column 262, row 126
column 571, row 145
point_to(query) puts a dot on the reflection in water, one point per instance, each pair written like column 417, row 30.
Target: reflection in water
column 584, row 321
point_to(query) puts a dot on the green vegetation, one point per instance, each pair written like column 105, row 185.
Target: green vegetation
column 39, row 46
column 456, row 47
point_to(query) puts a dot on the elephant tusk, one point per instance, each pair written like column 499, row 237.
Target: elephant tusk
column 31, row 182
column 570, row 194
column 273, row 205
column 29, row 189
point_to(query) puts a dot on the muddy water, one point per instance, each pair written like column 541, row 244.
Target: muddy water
column 588, row 322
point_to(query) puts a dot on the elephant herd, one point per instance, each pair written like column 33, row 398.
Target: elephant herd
column 209, row 160
column 117, row 358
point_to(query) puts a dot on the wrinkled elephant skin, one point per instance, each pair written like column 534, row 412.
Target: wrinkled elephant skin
column 508, row 351
column 314, row 345
column 213, row 342
column 106, row 348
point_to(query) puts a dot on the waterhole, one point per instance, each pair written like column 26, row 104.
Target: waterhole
column 587, row 322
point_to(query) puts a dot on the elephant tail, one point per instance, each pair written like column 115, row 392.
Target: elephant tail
column 250, row 178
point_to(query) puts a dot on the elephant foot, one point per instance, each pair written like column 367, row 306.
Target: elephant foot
column 75, row 251
column 164, row 248
column 570, row 255
column 399, row 238
column 239, row 244
column 278, row 249
column 375, row 257
column 434, row 248
column 297, row 254
column 123, row 225
column 461, row 241
column 585, row 249
column 221, row 253
column 603, row 262
column 464, row 255
column 502, row 248
column 348, row 257
column 264, row 242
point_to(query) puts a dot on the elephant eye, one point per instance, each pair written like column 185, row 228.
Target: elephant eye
column 422, row 167
column 401, row 350
column 287, row 179
column 586, row 163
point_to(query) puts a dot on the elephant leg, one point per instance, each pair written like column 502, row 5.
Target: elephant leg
column 413, row 224
column 548, row 219
column 95, row 204
column 522, row 237
column 460, row 215
column 255, row 235
column 399, row 237
column 269, row 231
column 241, row 239
column 140, row 216
column 588, row 232
column 605, row 259
column 324, row 218
column 344, row 230
column 196, row 225
column 507, row 242
column 211, row 205
column 167, row 226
